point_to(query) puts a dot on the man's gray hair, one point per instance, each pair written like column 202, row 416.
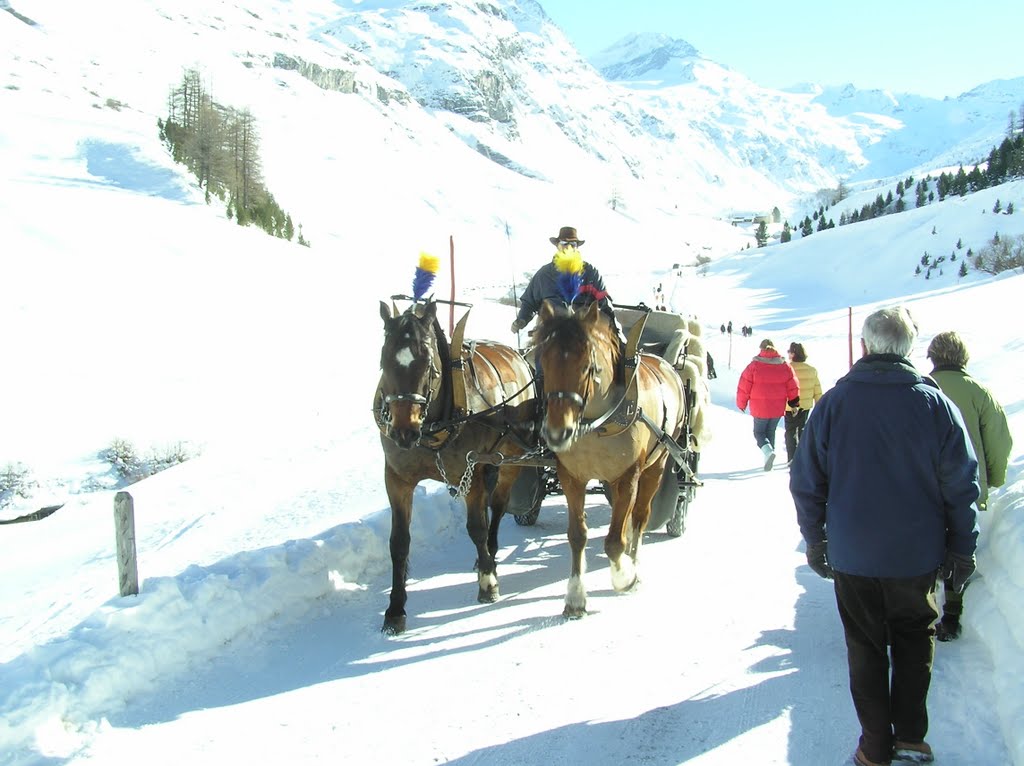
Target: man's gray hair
column 890, row 331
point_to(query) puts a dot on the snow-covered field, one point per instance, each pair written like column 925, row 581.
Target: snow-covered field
column 130, row 310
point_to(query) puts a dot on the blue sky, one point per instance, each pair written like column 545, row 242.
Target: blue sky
column 873, row 44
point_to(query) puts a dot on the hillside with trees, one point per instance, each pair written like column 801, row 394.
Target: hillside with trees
column 220, row 146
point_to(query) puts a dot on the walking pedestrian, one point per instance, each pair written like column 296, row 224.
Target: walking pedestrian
column 810, row 392
column 884, row 486
column 767, row 384
column 990, row 436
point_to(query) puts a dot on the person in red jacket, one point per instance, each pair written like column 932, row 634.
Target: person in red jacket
column 767, row 384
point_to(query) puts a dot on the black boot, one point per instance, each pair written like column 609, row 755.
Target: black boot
column 948, row 628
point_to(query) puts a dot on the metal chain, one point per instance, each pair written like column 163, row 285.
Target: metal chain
column 537, row 451
column 467, row 478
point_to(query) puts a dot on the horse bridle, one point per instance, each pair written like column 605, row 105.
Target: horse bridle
column 424, row 400
column 594, row 380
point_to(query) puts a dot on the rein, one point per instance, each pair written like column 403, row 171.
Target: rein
column 441, row 425
column 587, row 426
column 441, row 429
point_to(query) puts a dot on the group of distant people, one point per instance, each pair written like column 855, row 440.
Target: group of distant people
column 888, row 470
column 745, row 331
column 775, row 388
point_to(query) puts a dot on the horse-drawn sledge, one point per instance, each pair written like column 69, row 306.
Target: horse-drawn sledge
column 466, row 413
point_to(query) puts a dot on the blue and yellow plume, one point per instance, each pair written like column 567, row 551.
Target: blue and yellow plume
column 425, row 273
column 569, row 264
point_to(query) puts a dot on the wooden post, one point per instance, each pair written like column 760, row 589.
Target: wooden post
column 124, row 529
column 451, row 308
column 849, row 332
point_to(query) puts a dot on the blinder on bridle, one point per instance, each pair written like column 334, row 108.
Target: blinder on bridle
column 421, row 399
column 591, row 380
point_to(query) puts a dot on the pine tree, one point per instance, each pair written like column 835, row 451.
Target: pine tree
column 963, row 269
column 921, row 191
column 761, row 235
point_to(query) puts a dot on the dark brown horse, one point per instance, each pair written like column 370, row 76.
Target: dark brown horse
column 435, row 404
column 595, row 428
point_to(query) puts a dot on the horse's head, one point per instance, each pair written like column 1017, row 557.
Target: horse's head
column 577, row 354
column 408, row 372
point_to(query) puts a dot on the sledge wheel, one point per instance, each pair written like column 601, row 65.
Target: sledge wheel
column 526, row 497
column 664, row 502
column 676, row 525
column 529, row 518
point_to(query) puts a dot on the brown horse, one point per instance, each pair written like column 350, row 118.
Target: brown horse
column 600, row 429
column 435, row 405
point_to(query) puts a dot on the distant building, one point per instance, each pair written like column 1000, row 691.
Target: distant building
column 738, row 217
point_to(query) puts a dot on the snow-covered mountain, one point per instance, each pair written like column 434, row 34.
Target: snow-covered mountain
column 808, row 130
column 492, row 93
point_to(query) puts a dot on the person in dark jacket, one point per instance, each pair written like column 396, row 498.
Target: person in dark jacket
column 990, row 436
column 884, row 484
column 767, row 384
column 544, row 284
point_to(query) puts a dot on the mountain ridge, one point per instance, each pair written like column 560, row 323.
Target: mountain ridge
column 496, row 94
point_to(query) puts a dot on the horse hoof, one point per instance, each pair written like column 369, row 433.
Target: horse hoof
column 488, row 595
column 393, row 625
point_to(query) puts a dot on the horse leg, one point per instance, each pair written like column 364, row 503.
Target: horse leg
column 647, row 487
column 478, row 528
column 399, row 492
column 621, row 563
column 576, row 593
column 500, row 495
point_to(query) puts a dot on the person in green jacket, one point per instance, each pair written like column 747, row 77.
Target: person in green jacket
column 989, row 433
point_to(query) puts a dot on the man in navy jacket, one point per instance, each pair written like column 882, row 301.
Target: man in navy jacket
column 884, row 486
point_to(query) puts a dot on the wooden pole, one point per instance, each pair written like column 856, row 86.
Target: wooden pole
column 451, row 306
column 849, row 332
column 124, row 529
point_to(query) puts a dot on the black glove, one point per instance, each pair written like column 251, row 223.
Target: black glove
column 957, row 570
column 517, row 326
column 817, row 559
column 794, row 403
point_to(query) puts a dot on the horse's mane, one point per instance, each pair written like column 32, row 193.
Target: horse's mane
column 570, row 333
